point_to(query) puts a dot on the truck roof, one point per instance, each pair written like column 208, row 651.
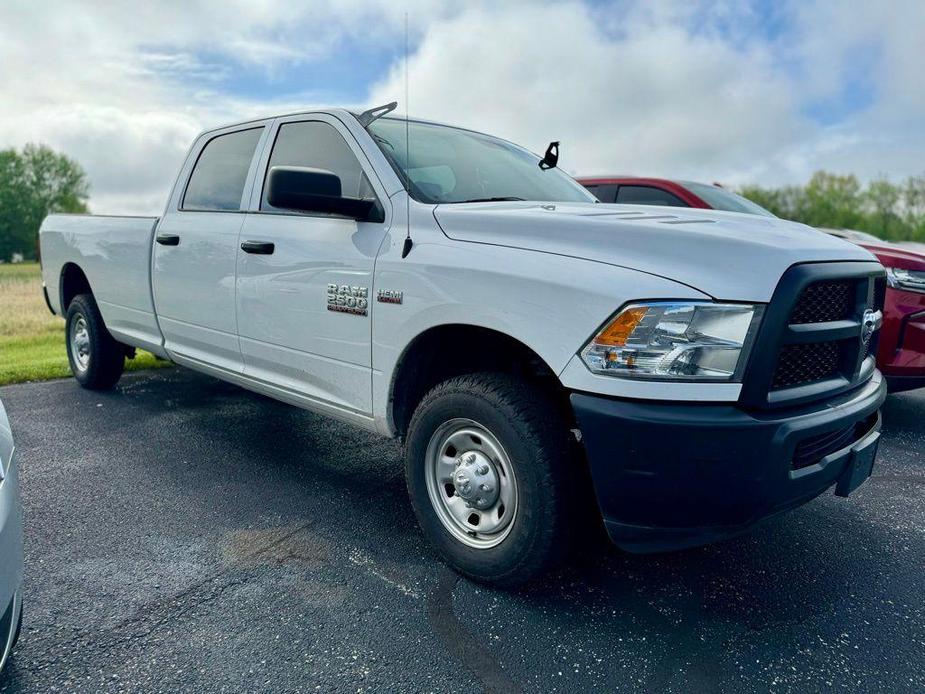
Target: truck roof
column 340, row 111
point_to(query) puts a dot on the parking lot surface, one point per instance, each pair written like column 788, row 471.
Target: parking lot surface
column 185, row 535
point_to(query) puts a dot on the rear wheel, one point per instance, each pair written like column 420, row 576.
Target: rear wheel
column 96, row 359
column 495, row 478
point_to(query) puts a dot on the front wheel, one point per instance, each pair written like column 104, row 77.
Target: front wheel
column 494, row 477
column 96, row 359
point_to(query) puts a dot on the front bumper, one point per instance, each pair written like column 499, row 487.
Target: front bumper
column 669, row 476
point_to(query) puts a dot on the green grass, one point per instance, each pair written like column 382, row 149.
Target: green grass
column 31, row 338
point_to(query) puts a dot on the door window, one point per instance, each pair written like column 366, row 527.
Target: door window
column 318, row 145
column 218, row 179
column 647, row 195
column 605, row 192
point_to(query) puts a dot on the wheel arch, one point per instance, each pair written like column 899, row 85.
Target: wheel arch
column 453, row 349
column 73, row 281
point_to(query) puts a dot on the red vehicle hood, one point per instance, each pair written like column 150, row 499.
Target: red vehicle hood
column 890, row 255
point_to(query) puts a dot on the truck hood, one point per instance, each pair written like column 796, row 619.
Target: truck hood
column 726, row 255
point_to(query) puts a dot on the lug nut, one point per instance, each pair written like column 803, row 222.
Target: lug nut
column 482, row 469
column 485, row 488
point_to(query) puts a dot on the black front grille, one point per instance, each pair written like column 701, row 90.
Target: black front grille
column 809, row 346
column 806, row 363
column 879, row 293
column 825, row 301
column 820, row 302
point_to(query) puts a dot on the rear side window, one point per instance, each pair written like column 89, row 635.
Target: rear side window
column 318, row 145
column 218, row 179
column 605, row 192
column 647, row 195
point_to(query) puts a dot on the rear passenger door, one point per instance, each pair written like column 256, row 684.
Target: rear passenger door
column 195, row 249
column 290, row 336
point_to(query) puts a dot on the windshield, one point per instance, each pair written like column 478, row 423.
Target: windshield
column 449, row 165
column 722, row 199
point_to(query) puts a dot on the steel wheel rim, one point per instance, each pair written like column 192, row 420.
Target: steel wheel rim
column 459, row 449
column 80, row 343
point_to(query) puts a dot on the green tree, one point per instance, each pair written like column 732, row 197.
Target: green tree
column 787, row 202
column 35, row 182
column 833, row 200
column 913, row 206
column 882, row 208
column 883, row 218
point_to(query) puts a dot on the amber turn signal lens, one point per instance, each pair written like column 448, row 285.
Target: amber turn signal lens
column 617, row 333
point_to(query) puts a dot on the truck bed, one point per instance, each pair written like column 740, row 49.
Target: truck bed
column 114, row 253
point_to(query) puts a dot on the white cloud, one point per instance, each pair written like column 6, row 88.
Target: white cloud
column 671, row 89
column 683, row 89
column 123, row 88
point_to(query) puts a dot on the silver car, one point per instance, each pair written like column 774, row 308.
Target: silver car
column 10, row 543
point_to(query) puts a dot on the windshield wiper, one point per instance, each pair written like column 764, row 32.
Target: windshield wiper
column 498, row 199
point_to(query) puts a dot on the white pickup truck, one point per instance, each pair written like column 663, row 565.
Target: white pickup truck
column 548, row 361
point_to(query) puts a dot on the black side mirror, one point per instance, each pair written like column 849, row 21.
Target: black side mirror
column 316, row 190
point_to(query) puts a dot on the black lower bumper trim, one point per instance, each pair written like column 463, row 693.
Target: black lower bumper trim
column 676, row 475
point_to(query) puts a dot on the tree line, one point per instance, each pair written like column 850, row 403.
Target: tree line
column 891, row 211
column 36, row 181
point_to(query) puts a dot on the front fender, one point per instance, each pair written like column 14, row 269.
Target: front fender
column 551, row 303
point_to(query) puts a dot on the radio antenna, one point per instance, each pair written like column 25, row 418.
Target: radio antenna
column 406, row 249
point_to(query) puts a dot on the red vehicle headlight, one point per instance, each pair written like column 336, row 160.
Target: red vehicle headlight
column 908, row 280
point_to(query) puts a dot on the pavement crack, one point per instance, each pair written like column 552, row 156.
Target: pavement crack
column 460, row 642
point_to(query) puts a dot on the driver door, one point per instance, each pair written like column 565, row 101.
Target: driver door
column 289, row 335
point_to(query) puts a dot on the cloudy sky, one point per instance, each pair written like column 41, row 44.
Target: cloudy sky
column 762, row 92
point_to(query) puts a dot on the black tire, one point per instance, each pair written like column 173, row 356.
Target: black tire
column 550, row 475
column 102, row 365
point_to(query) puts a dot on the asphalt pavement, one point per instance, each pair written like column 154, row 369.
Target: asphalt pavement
column 184, row 535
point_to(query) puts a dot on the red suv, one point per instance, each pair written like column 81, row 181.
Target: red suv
column 901, row 353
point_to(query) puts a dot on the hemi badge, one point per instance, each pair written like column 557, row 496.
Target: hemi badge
column 389, row 296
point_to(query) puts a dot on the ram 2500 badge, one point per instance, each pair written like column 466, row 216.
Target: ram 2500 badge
column 548, row 361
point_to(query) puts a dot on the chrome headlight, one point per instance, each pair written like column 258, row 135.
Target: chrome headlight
column 909, row 280
column 694, row 341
